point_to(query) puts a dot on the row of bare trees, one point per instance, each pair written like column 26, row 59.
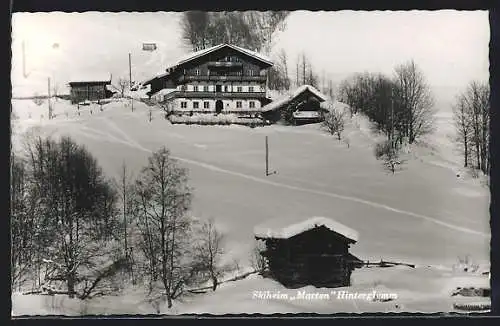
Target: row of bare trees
column 73, row 226
column 401, row 106
column 471, row 113
column 304, row 73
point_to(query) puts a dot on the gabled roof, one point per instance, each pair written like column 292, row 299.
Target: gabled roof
column 284, row 229
column 310, row 88
column 148, row 81
column 91, row 78
column 289, row 97
column 197, row 54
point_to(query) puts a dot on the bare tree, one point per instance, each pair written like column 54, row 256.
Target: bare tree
column 463, row 126
column 258, row 259
column 194, row 26
column 331, row 89
column 278, row 78
column 124, row 184
column 297, row 71
column 123, row 84
column 304, row 68
column 333, row 122
column 414, row 101
column 209, row 250
column 164, row 199
column 472, row 119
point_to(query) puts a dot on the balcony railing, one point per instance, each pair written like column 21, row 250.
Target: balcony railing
column 225, row 64
column 215, row 95
column 187, row 78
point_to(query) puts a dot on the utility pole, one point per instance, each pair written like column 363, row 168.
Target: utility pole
column 130, row 69
column 267, row 160
column 48, row 98
column 267, row 157
column 130, row 80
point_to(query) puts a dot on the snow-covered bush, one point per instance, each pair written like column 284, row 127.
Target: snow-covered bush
column 465, row 264
column 210, row 119
column 333, row 123
column 389, row 153
column 257, row 260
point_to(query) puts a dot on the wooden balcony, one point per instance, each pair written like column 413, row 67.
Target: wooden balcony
column 225, row 64
column 191, row 78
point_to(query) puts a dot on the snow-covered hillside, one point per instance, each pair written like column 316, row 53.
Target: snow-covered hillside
column 423, row 215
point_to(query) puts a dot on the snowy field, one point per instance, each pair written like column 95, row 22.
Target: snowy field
column 424, row 215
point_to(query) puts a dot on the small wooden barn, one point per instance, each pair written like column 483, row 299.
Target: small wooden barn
column 90, row 89
column 314, row 251
column 303, row 105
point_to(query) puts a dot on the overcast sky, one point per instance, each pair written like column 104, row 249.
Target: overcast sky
column 451, row 47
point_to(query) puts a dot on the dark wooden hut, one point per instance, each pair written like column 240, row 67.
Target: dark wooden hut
column 90, row 89
column 312, row 252
column 303, row 105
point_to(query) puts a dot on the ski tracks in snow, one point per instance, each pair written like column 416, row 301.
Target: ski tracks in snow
column 132, row 143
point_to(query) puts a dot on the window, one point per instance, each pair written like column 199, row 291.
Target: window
column 226, row 88
column 239, row 89
column 251, row 72
column 251, row 104
column 205, row 88
column 183, row 88
column 184, row 105
column 238, row 73
column 197, row 72
column 250, row 89
column 206, row 105
column 238, row 104
column 195, row 88
column 195, row 105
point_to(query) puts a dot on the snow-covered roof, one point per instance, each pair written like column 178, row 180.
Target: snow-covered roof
column 310, row 88
column 282, row 229
column 160, row 75
column 276, row 103
column 164, row 91
column 91, row 77
column 289, row 97
column 112, row 88
column 191, row 56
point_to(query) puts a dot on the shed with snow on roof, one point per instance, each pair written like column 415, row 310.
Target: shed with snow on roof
column 90, row 88
column 313, row 251
column 303, row 105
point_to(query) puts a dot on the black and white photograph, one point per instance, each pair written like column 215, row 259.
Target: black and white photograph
column 250, row 162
